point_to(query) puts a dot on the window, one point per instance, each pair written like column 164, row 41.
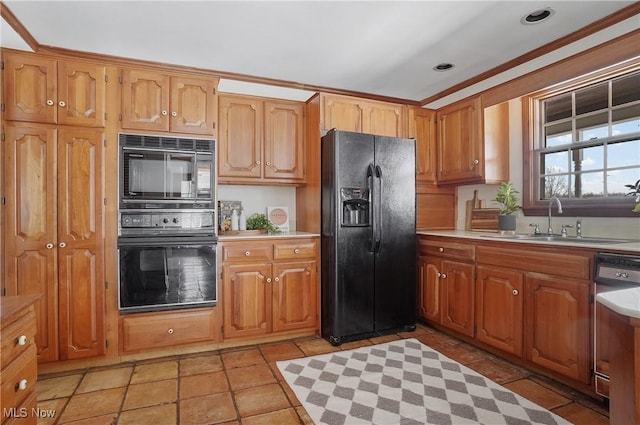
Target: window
column 586, row 146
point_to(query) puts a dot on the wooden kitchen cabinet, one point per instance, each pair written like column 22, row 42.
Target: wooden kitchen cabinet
column 422, row 127
column 261, row 140
column 160, row 102
column 269, row 287
column 54, row 240
column 363, row 116
column 44, row 90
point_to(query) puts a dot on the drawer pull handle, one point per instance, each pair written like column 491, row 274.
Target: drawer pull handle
column 268, row 280
column 440, row 249
column 164, row 113
column 50, row 102
column 62, row 104
column 174, row 114
column 21, row 340
column 444, row 275
column 49, row 246
column 247, row 253
column 277, row 279
column 170, row 331
column 296, row 251
column 438, row 274
column 515, row 292
column 22, row 385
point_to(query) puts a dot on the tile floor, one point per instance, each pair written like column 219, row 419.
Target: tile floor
column 244, row 386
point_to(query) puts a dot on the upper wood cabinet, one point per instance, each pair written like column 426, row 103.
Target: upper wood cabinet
column 54, row 238
column 160, row 102
column 43, row 90
column 260, row 140
column 363, row 116
column 422, row 127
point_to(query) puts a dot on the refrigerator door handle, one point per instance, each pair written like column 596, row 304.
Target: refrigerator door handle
column 378, row 216
column 370, row 176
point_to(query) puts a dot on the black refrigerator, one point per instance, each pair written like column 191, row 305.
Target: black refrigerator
column 368, row 235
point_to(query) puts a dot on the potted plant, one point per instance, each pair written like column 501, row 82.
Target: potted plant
column 260, row 222
column 635, row 191
column 507, row 200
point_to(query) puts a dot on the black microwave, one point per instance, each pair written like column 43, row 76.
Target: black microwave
column 166, row 171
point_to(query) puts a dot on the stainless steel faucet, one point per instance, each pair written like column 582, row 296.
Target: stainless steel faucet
column 550, row 229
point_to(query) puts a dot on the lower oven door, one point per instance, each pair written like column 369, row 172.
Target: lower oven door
column 166, row 273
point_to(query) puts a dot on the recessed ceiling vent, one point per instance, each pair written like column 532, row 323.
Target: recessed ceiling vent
column 537, row 16
column 443, row 67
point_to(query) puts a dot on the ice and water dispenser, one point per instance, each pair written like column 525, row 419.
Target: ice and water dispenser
column 355, row 206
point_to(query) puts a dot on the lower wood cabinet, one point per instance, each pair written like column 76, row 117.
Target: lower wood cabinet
column 269, row 286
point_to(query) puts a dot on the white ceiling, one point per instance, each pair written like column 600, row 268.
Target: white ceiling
column 385, row 48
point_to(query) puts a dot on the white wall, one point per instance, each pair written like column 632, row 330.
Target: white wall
column 619, row 227
column 256, row 199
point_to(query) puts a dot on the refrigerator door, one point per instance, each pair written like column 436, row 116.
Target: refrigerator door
column 347, row 260
column 395, row 224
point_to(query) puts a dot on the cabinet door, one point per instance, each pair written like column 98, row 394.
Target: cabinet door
column 239, row 150
column 429, row 287
column 422, row 127
column 557, row 325
column 193, row 105
column 283, row 140
column 247, row 300
column 145, row 100
column 460, row 150
column 499, row 304
column 294, row 296
column 80, row 243
column 343, row 113
column 30, row 89
column 30, row 232
column 81, row 94
column 384, row 120
column 458, row 295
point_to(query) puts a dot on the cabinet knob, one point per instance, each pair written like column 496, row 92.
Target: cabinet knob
column 164, row 113
column 268, row 280
column 247, row 253
column 296, row 251
column 476, row 162
column 440, row 249
column 50, row 102
column 49, row 246
column 22, row 385
column 62, row 104
column 257, row 162
column 170, row 331
column 62, row 244
column 174, row 114
column 268, row 164
column 444, row 275
column 276, row 279
column 21, row 340
column 515, row 292
column 438, row 274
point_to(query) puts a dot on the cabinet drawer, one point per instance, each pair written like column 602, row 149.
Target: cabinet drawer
column 292, row 250
column 167, row 329
column 24, row 414
column 457, row 250
column 16, row 337
column 247, row 251
column 22, row 370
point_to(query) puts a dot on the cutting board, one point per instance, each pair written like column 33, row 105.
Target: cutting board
column 470, row 206
column 484, row 219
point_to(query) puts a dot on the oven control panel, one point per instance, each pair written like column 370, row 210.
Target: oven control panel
column 141, row 222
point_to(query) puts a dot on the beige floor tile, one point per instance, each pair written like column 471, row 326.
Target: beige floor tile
column 258, row 400
column 311, row 347
column 537, row 393
column 250, row 376
column 293, row 399
column 498, row 371
column 203, row 384
column 97, row 403
column 242, row 358
column 209, row 409
column 109, row 419
column 211, row 362
column 164, row 414
column 276, row 372
column 61, row 386
column 463, row 353
column 384, row 338
column 577, row 414
column 157, row 371
column 306, row 419
column 280, row 417
column 436, row 340
column 281, row 351
column 105, row 379
column 53, row 408
column 151, row 394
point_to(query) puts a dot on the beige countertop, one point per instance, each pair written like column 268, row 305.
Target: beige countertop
column 223, row 238
column 632, row 247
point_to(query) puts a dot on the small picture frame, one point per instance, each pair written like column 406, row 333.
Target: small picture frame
column 279, row 217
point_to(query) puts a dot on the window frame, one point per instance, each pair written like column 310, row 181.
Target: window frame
column 531, row 123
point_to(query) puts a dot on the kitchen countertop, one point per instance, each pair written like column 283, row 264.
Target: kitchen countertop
column 623, row 301
column 282, row 235
column 632, row 247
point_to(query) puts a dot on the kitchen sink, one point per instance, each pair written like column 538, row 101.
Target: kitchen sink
column 558, row 238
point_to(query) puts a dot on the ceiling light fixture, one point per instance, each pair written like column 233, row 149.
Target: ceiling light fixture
column 443, row 67
column 537, row 16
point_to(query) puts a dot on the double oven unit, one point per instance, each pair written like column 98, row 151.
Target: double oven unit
column 167, row 226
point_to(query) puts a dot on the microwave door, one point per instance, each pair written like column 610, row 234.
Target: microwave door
column 144, row 175
column 179, row 176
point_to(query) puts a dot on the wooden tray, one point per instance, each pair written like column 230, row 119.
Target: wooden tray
column 243, row 232
column 484, row 219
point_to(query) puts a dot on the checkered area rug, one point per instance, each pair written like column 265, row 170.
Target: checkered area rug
column 403, row 382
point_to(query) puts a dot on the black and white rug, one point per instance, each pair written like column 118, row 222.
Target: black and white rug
column 403, row 382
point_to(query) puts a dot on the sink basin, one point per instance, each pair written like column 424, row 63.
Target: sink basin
column 558, row 238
